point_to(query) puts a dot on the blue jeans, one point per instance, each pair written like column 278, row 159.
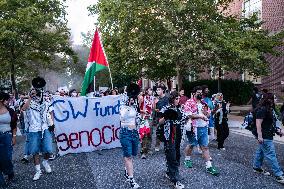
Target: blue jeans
column 26, row 150
column 6, row 150
column 267, row 150
column 38, row 143
column 201, row 139
column 129, row 140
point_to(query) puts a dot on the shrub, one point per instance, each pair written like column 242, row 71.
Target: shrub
column 235, row 91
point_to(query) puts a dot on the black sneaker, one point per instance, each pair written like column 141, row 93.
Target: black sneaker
column 24, row 160
column 11, row 177
column 261, row 171
column 4, row 185
column 126, row 175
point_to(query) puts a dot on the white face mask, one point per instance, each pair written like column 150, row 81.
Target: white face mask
column 74, row 94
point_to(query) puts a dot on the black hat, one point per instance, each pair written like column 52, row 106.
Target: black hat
column 4, row 96
column 38, row 82
column 133, row 90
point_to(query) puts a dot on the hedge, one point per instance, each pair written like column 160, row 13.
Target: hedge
column 235, row 91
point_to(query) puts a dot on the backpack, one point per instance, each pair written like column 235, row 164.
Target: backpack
column 249, row 122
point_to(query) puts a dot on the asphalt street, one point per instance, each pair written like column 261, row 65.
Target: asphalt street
column 104, row 169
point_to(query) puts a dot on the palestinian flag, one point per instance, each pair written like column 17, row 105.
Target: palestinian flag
column 97, row 61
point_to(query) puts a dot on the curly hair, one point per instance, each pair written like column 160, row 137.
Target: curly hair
column 4, row 96
column 267, row 101
column 173, row 96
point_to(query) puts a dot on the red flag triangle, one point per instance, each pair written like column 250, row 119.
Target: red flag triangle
column 97, row 54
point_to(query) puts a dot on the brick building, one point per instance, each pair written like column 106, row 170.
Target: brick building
column 271, row 12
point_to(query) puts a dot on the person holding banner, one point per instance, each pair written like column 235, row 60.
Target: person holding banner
column 39, row 120
column 129, row 136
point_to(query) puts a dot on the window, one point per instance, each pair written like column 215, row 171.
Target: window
column 252, row 6
column 253, row 79
column 249, row 8
column 214, row 73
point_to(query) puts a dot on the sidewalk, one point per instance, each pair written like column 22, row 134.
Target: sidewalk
column 235, row 127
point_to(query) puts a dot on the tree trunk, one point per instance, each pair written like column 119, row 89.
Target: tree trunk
column 13, row 72
column 169, row 84
column 219, row 79
column 179, row 76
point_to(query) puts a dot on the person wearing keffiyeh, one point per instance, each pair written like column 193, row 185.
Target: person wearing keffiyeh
column 40, row 125
column 173, row 119
column 221, row 109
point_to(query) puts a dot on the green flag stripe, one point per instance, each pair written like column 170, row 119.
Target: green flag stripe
column 89, row 76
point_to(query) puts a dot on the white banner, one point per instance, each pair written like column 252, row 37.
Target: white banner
column 86, row 124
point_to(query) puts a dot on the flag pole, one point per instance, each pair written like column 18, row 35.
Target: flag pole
column 110, row 77
column 94, row 84
column 107, row 61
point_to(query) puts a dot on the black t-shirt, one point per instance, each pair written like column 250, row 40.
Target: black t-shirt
column 255, row 99
column 267, row 123
column 164, row 101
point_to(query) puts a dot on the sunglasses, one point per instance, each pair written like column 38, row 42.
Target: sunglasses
column 177, row 98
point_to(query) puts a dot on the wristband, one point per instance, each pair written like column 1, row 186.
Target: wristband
column 14, row 135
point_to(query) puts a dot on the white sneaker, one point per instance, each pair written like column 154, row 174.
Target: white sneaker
column 157, row 149
column 37, row 175
column 199, row 151
column 46, row 166
column 134, row 184
column 52, row 157
column 167, row 176
column 179, row 185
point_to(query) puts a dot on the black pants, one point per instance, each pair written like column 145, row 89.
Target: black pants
column 172, row 151
column 222, row 133
column 177, row 143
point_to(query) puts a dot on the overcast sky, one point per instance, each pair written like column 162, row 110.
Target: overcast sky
column 78, row 19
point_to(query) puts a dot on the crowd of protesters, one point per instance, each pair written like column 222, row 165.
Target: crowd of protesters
column 173, row 117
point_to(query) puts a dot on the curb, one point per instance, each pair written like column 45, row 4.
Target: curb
column 251, row 136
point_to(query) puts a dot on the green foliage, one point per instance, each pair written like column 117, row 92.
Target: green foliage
column 235, row 91
column 160, row 39
column 32, row 33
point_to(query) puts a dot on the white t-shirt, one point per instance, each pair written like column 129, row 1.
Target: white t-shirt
column 200, row 122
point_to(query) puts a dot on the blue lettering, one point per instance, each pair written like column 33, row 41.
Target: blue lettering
column 101, row 112
column 96, row 108
column 63, row 112
column 106, row 111
column 115, row 109
column 78, row 112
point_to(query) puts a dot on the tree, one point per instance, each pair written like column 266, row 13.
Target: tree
column 32, row 34
column 161, row 39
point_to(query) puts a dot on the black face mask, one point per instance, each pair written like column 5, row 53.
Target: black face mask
column 199, row 97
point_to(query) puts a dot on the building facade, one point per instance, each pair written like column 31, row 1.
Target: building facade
column 271, row 12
